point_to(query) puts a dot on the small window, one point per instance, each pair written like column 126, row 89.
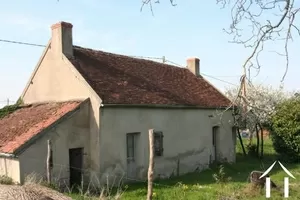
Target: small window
column 158, row 143
column 130, row 145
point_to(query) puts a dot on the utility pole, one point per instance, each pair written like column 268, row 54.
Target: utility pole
column 245, row 109
column 8, row 101
column 164, row 59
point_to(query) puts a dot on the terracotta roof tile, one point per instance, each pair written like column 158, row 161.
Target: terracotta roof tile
column 121, row 79
column 28, row 121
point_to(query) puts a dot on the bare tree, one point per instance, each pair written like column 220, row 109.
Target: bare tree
column 150, row 3
column 269, row 20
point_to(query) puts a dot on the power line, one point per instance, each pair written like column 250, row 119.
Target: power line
column 7, row 101
column 219, row 79
column 40, row 45
column 213, row 77
column 23, row 43
column 163, row 58
column 144, row 57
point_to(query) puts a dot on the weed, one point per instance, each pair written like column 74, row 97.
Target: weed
column 220, row 176
column 5, row 180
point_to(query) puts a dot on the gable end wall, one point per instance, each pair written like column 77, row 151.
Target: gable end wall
column 55, row 79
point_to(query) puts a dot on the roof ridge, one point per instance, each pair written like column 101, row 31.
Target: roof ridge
column 127, row 56
column 50, row 102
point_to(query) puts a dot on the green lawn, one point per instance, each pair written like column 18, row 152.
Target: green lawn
column 201, row 185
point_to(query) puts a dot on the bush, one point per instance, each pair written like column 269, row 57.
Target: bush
column 285, row 130
column 252, row 150
column 5, row 180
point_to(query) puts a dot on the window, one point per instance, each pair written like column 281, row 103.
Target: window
column 158, row 143
column 130, row 145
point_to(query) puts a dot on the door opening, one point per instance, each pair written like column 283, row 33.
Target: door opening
column 75, row 162
column 215, row 131
column 132, row 146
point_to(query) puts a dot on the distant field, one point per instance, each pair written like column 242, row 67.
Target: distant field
column 203, row 186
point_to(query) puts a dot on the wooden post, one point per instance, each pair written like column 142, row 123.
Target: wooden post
column 151, row 165
column 262, row 140
column 49, row 163
column 257, row 140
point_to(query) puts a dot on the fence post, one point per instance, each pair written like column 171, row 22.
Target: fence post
column 48, row 162
column 151, row 165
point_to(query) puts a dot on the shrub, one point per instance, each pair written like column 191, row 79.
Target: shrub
column 220, row 176
column 5, row 180
column 252, row 150
column 285, row 130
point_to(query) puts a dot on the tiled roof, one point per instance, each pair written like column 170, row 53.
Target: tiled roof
column 28, row 121
column 119, row 79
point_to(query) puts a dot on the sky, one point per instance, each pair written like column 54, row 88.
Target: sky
column 190, row 29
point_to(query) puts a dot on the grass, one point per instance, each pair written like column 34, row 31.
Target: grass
column 202, row 185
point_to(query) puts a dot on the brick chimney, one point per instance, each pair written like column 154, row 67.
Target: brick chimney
column 193, row 64
column 61, row 40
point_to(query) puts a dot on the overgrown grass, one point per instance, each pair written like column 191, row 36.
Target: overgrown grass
column 214, row 183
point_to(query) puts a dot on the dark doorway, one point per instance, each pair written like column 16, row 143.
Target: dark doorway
column 215, row 135
column 75, row 160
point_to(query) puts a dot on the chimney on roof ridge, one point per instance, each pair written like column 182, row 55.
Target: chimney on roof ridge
column 61, row 39
column 193, row 64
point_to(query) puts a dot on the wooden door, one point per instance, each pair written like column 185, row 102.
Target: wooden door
column 131, row 143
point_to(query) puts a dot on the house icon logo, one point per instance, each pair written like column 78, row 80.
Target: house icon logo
column 268, row 180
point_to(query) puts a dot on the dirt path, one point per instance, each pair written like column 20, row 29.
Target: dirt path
column 29, row 192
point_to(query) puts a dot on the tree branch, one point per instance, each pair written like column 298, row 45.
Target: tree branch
column 256, row 14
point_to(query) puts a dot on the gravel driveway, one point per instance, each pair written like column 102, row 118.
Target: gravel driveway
column 30, row 192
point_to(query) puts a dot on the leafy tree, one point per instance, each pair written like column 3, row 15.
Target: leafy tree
column 285, row 128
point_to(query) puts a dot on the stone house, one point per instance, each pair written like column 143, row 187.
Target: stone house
column 96, row 109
